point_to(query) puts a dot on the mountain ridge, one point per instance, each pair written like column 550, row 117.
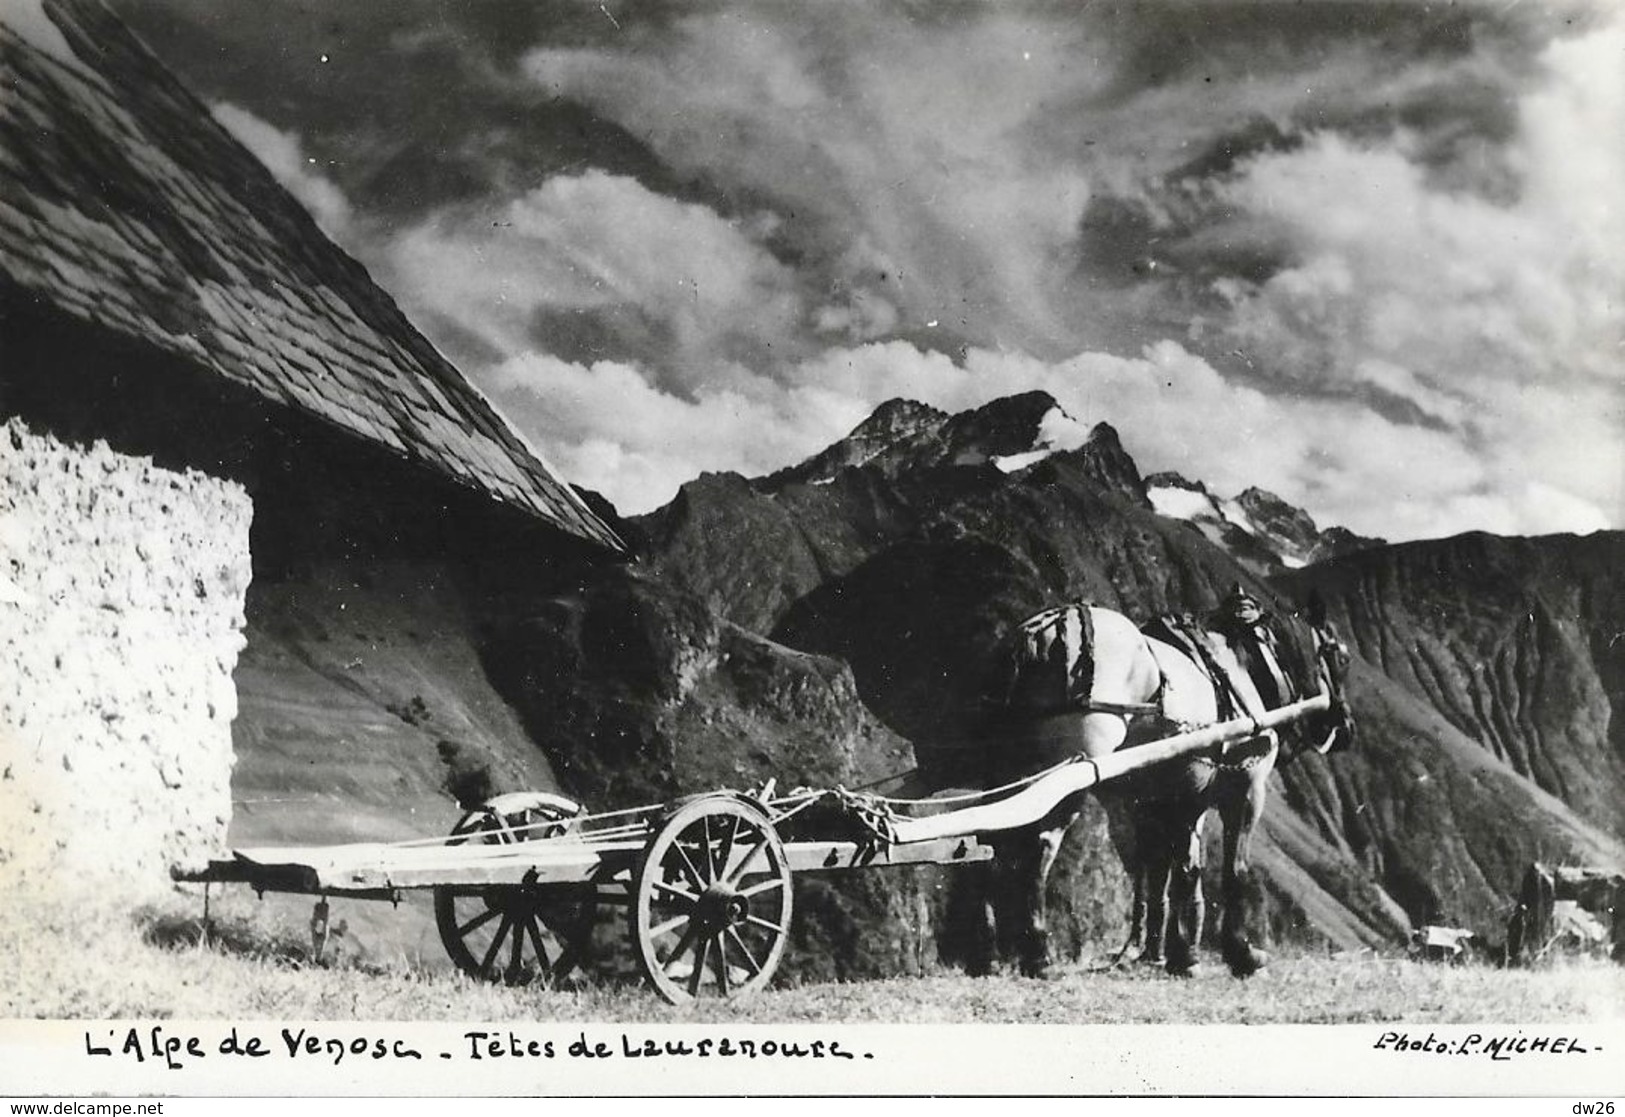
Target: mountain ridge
column 1270, row 533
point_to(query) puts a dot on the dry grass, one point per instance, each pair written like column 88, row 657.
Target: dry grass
column 97, row 960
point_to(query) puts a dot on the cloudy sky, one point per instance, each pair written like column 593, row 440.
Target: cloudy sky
column 1366, row 255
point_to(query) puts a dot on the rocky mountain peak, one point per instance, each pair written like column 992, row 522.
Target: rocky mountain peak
column 894, row 419
column 1010, row 425
column 1105, row 437
column 1258, row 527
column 1109, row 465
column 903, row 435
column 890, row 434
column 1012, row 433
column 1336, row 541
column 1290, row 529
column 1168, row 479
column 1294, row 533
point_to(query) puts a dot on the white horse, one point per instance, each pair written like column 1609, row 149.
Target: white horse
column 1082, row 680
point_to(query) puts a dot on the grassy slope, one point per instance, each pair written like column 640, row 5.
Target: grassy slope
column 63, row 960
column 347, row 690
column 354, row 699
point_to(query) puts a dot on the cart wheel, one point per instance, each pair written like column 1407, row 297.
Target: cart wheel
column 517, row 934
column 711, row 902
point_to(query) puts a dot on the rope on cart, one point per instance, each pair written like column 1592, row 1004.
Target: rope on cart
column 978, row 796
column 785, row 814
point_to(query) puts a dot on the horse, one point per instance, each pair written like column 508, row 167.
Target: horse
column 1078, row 679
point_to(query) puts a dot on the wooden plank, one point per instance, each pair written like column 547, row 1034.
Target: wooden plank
column 371, row 869
column 379, row 871
column 1033, row 803
column 808, row 857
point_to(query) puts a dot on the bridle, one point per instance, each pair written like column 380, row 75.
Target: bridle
column 1332, row 660
column 1332, row 657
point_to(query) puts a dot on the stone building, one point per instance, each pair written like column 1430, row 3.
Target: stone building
column 241, row 496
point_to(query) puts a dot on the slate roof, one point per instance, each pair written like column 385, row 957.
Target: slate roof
column 124, row 203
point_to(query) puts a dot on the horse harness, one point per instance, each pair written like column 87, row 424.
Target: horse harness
column 1184, row 633
column 1181, row 631
column 1051, row 665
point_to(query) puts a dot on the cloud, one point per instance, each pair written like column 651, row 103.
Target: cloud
column 598, row 267
column 609, row 427
column 895, row 152
column 283, row 154
column 1498, row 322
column 1363, row 255
column 1422, row 357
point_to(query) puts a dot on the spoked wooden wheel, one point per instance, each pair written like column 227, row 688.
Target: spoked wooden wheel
column 517, row 934
column 711, row 907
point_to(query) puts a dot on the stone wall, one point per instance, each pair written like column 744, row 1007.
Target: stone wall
column 121, row 615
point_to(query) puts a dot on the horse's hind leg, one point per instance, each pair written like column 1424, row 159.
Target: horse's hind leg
column 1031, row 854
column 1049, row 848
column 1240, row 814
column 1151, row 886
column 968, row 936
column 1100, row 734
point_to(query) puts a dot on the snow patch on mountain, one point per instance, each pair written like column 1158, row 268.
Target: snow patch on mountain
column 1179, row 503
column 1253, row 525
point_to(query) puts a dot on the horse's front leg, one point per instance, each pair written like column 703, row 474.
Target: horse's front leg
column 1240, row 814
column 1187, row 909
column 1177, row 922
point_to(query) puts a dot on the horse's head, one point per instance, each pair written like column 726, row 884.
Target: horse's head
column 1310, row 660
column 1332, row 658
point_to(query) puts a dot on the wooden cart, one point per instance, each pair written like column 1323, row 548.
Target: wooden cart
column 707, row 879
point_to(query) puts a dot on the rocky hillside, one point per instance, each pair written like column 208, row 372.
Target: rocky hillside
column 1515, row 642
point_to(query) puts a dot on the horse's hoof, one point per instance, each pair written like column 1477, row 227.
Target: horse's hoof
column 979, row 967
column 1246, row 961
column 1040, row 969
column 1182, row 966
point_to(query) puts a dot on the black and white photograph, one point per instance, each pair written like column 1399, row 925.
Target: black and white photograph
column 576, row 548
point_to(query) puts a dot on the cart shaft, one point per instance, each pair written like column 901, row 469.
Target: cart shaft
column 1032, row 804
